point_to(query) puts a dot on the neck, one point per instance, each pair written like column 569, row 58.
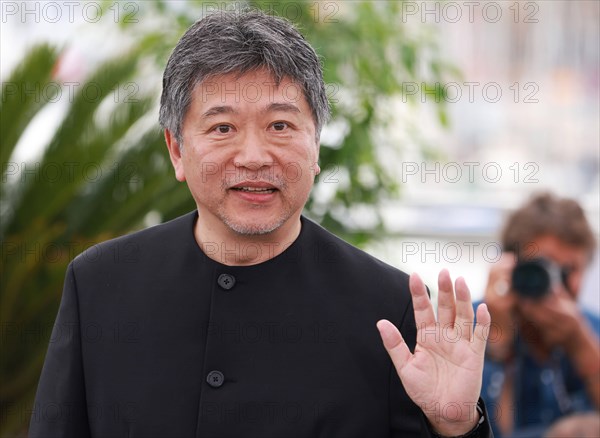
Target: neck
column 228, row 247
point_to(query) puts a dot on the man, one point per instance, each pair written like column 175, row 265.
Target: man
column 543, row 358
column 243, row 318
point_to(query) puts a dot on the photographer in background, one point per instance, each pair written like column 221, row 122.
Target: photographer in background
column 543, row 358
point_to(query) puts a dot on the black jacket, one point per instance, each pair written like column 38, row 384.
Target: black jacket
column 155, row 339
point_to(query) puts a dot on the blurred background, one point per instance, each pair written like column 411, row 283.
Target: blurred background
column 446, row 116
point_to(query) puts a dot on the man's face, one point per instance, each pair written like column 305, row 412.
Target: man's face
column 573, row 258
column 554, row 320
column 249, row 153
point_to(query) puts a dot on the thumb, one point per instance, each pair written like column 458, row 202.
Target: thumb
column 394, row 343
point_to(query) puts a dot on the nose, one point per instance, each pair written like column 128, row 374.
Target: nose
column 252, row 152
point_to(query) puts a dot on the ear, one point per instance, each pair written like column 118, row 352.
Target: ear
column 315, row 167
column 175, row 154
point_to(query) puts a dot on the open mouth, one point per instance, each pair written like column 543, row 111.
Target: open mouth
column 255, row 189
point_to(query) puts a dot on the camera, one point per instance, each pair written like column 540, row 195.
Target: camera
column 534, row 278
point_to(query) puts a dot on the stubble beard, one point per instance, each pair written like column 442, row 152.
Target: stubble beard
column 238, row 225
column 254, row 229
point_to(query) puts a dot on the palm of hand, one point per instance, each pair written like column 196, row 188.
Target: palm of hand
column 443, row 375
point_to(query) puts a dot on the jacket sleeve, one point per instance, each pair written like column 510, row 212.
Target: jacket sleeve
column 60, row 404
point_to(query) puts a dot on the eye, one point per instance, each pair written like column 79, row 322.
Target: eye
column 279, row 126
column 222, row 129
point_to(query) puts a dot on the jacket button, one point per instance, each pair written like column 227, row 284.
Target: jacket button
column 226, row 281
column 215, row 378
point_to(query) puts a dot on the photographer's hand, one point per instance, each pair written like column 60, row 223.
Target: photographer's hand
column 501, row 302
column 559, row 322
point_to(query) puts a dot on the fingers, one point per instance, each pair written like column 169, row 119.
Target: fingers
column 394, row 343
column 497, row 292
column 455, row 308
column 481, row 329
column 446, row 304
column 464, row 307
column 423, row 309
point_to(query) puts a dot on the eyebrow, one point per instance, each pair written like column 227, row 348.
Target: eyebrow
column 276, row 106
column 216, row 110
column 287, row 107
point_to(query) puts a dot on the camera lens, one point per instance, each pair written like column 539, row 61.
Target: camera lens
column 532, row 278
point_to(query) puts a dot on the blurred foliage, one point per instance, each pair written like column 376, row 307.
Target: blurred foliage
column 105, row 166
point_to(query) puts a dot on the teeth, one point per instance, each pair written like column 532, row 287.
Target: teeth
column 254, row 189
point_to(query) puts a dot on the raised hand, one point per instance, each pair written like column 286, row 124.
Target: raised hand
column 502, row 305
column 443, row 375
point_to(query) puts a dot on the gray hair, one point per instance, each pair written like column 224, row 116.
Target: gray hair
column 240, row 42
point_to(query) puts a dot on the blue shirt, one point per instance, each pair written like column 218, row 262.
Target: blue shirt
column 543, row 392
